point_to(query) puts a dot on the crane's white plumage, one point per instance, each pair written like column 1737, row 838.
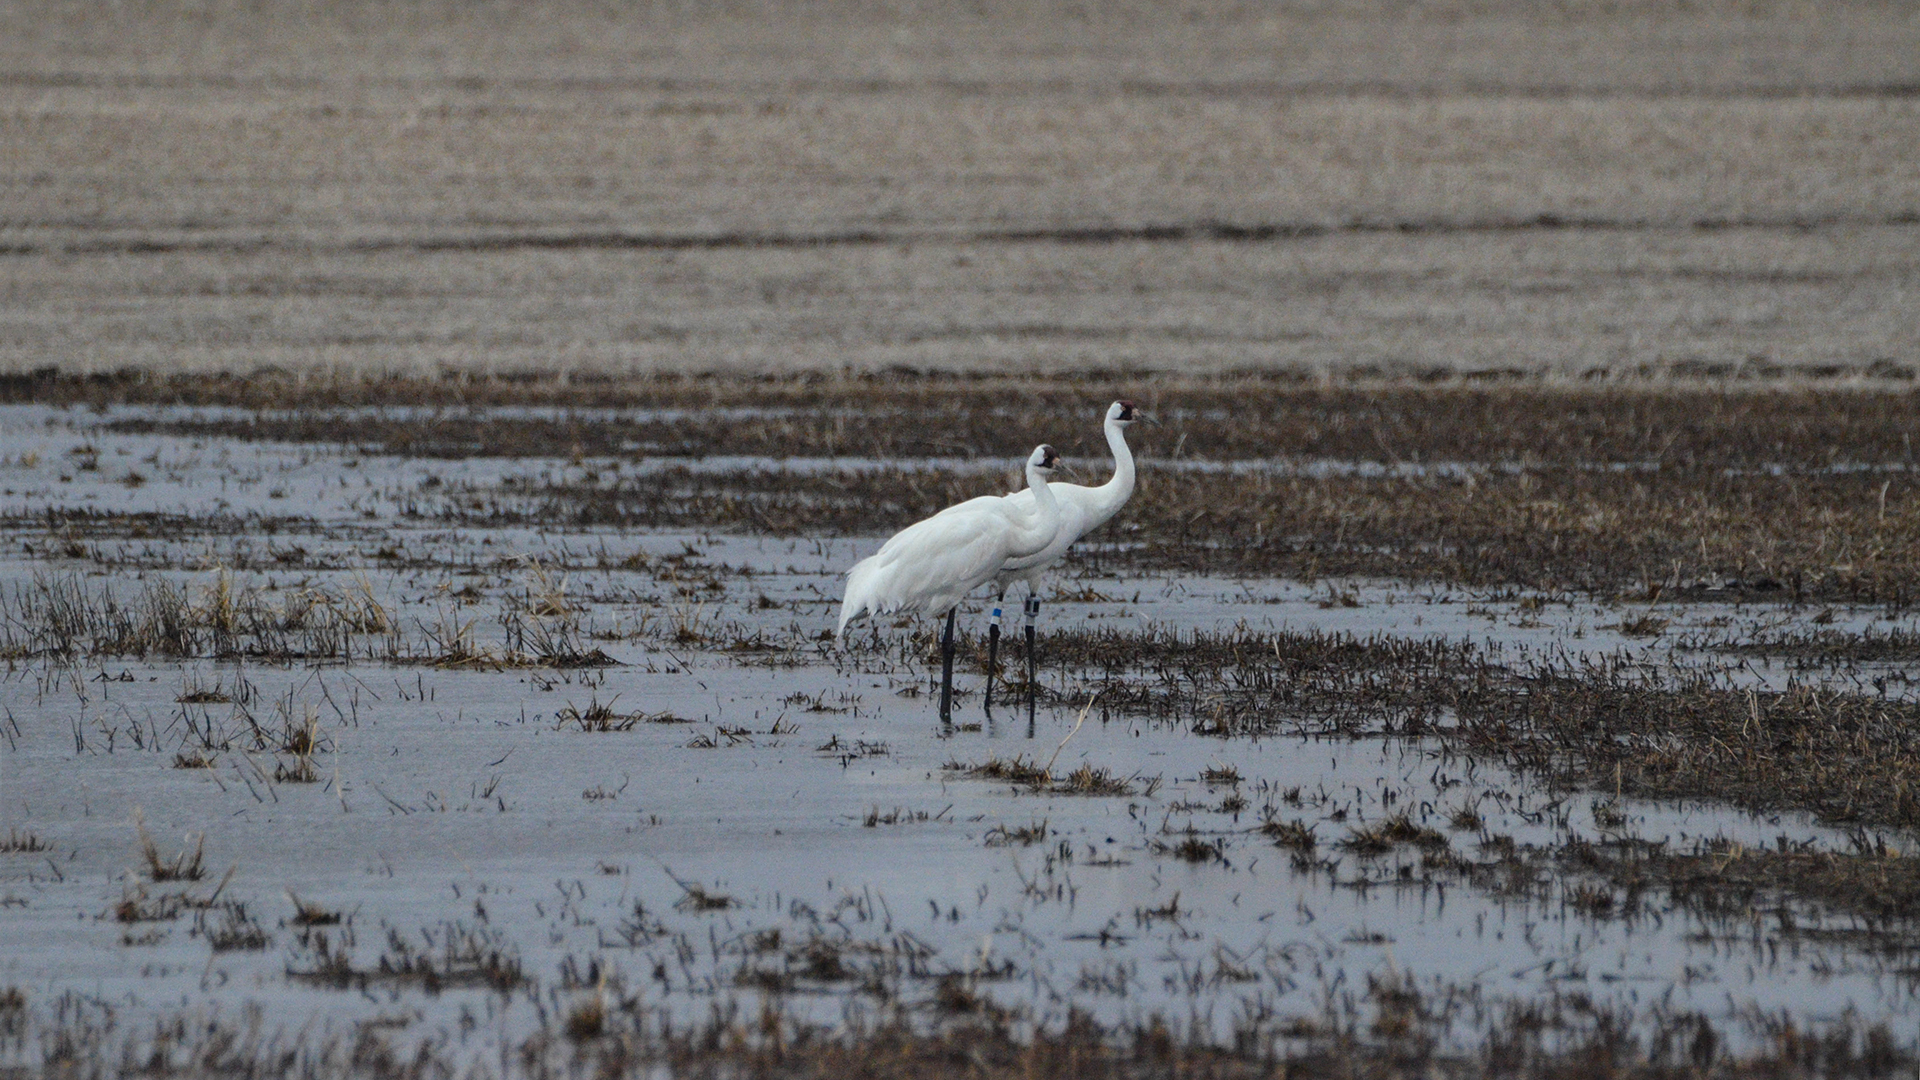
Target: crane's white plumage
column 1082, row 509
column 931, row 565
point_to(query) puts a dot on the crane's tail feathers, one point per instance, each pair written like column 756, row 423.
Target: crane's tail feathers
column 859, row 598
column 848, row 613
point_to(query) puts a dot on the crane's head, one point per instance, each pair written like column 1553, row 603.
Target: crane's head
column 1044, row 458
column 1125, row 412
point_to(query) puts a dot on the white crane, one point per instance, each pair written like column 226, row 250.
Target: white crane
column 931, row 565
column 1082, row 510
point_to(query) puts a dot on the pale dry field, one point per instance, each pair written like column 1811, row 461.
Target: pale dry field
column 1331, row 187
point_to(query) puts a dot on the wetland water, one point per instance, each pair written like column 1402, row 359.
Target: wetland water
column 286, row 734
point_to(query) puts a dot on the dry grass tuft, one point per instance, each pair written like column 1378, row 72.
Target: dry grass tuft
column 598, row 717
column 1017, row 769
column 306, row 913
column 186, row 865
column 1192, row 848
column 587, row 1020
column 1086, row 780
column 1294, row 835
column 1091, row 780
column 136, row 905
column 695, row 897
column 1022, row 835
column 236, row 931
column 1388, row 833
column 1220, row 776
column 448, row 957
column 22, row 840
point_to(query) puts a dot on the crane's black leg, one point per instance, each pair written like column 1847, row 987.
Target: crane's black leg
column 993, row 649
column 1033, row 612
column 946, row 670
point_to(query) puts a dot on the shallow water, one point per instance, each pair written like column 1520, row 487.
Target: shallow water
column 807, row 782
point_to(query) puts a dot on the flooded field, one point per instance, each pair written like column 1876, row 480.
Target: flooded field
column 514, row 751
column 432, row 439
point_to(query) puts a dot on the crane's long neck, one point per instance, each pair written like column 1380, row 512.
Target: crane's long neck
column 1039, row 533
column 1115, row 492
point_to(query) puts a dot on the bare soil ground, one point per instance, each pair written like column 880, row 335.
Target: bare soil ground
column 764, row 188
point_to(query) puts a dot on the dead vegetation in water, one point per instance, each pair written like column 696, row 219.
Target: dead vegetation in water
column 826, row 957
column 1191, row 847
column 542, row 623
column 1244, row 683
column 234, row 930
column 1848, row 758
column 1380, row 837
column 1087, row 779
column 1814, row 534
column 1694, row 491
column 188, row 864
column 66, row 616
column 696, row 897
column 1387, row 1031
column 22, row 840
column 138, row 905
column 900, row 815
column 1816, row 647
column 197, row 694
column 308, row 913
column 600, row 717
column 1612, row 491
column 1386, row 1028
column 1017, row 835
column 1773, row 897
column 1228, row 417
column 1874, row 888
column 451, row 956
column 1295, row 835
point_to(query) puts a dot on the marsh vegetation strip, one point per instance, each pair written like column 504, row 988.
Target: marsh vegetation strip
column 1790, row 493
column 609, row 789
column 1608, row 721
column 1287, row 414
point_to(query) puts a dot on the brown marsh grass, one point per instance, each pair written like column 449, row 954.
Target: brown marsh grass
column 67, row 615
column 234, row 930
column 308, row 913
column 186, row 864
column 1799, row 493
column 450, row 956
column 1249, row 416
column 1815, row 647
column 1822, row 536
column 1849, row 758
column 1722, row 879
column 1087, row 779
column 1385, row 1028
